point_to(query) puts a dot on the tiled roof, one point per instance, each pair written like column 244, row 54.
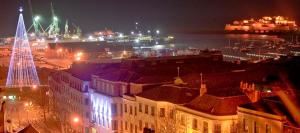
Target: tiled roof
column 84, row 71
column 170, row 93
column 217, row 105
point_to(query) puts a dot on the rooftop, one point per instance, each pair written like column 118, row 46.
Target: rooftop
column 217, row 105
column 170, row 93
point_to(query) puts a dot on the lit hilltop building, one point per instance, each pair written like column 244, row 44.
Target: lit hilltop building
column 276, row 24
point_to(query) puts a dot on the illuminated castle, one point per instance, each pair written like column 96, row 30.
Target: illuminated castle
column 263, row 25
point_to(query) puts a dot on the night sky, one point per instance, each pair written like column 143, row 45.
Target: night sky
column 181, row 16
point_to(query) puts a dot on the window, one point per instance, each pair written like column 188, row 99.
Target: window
column 126, row 125
column 172, row 113
column 162, row 112
column 125, row 108
column 135, row 128
column 256, row 127
column 130, row 110
column 121, row 108
column 146, row 124
column 268, row 128
column 205, row 127
column 131, row 128
column 114, row 125
column 217, row 128
column 141, row 125
column 233, row 127
column 195, row 124
column 135, row 111
column 121, row 125
column 152, row 111
column 146, row 109
column 140, row 107
column 182, row 120
column 114, row 109
column 86, row 101
column 87, row 114
column 245, row 126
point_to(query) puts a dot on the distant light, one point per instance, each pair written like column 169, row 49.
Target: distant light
column 140, row 34
column 34, row 86
column 136, row 23
column 56, row 40
column 110, row 36
column 11, row 97
column 59, row 50
column 121, row 35
column 21, row 9
column 32, row 34
column 43, row 40
column 101, row 38
column 156, row 43
column 149, row 31
column 157, row 47
column 4, row 97
column 137, row 40
column 269, row 91
column 132, row 33
column 78, row 58
column 75, row 37
column 91, row 37
column 157, row 31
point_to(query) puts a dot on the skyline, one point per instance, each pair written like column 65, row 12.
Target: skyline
column 169, row 15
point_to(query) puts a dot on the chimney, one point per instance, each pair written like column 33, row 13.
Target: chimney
column 203, row 89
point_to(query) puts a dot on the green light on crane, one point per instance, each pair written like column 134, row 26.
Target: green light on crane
column 37, row 18
column 55, row 18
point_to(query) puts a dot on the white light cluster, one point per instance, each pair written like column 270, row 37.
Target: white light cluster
column 101, row 109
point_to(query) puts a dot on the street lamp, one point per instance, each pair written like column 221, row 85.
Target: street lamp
column 75, row 119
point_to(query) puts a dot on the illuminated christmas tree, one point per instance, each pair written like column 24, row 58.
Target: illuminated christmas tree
column 22, row 71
